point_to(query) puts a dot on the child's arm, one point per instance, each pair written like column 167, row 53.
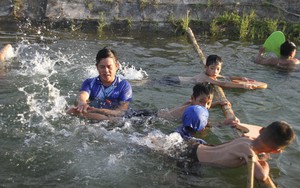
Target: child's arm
column 220, row 103
column 240, row 78
column 262, row 60
column 261, row 169
column 228, row 84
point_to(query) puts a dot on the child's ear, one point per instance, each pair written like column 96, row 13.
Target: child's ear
column 261, row 130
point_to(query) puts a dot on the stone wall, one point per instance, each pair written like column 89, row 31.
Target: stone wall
column 157, row 12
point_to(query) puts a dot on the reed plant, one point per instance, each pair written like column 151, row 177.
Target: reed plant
column 101, row 24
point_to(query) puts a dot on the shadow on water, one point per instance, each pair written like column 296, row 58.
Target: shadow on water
column 42, row 147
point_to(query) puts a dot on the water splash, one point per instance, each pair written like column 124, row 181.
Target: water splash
column 126, row 71
column 129, row 72
column 39, row 63
column 158, row 141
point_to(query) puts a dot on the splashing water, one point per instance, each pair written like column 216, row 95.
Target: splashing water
column 158, row 141
column 42, row 96
column 129, row 72
column 126, row 71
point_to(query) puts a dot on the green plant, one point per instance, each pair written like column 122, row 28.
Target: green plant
column 185, row 21
column 225, row 24
column 101, row 24
column 143, row 4
column 214, row 28
column 245, row 26
column 17, row 8
column 182, row 24
column 128, row 22
column 75, row 26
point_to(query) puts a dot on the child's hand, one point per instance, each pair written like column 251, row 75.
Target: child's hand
column 261, row 50
column 92, row 109
column 249, row 86
column 231, row 121
column 263, row 156
column 223, row 103
column 247, row 79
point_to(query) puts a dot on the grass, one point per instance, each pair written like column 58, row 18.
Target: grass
column 246, row 27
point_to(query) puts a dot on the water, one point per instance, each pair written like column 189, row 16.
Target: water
column 43, row 147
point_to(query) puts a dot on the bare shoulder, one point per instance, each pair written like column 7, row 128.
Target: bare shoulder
column 200, row 78
column 288, row 62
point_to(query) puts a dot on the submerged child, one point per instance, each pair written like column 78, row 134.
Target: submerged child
column 194, row 119
column 202, row 96
column 272, row 139
column 287, row 56
column 213, row 68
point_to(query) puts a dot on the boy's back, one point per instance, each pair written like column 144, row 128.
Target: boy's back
column 231, row 154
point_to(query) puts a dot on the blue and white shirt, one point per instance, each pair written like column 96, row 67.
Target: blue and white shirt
column 107, row 97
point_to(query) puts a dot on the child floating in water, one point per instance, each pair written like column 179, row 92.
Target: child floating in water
column 212, row 73
column 287, row 58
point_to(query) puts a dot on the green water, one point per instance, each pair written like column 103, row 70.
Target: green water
column 42, row 147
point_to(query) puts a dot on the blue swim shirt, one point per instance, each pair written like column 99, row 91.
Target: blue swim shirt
column 107, row 97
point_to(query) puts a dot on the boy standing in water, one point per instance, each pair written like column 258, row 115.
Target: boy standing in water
column 212, row 73
column 287, row 58
column 272, row 139
column 106, row 96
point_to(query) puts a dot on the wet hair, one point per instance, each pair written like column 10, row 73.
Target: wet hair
column 278, row 134
column 105, row 53
column 213, row 59
column 203, row 89
column 287, row 48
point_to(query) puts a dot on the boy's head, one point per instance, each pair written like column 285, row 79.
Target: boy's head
column 277, row 135
column 106, row 53
column 194, row 119
column 203, row 94
column 213, row 65
column 288, row 49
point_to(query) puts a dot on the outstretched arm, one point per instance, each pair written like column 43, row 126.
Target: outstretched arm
column 228, row 84
column 262, row 60
column 120, row 111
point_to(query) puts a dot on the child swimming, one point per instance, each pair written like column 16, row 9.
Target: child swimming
column 212, row 75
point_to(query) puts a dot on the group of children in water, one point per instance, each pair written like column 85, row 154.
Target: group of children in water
column 108, row 97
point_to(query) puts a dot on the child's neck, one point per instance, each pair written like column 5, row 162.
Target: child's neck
column 257, row 146
column 212, row 77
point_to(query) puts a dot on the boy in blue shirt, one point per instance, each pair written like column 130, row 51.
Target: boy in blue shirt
column 106, row 96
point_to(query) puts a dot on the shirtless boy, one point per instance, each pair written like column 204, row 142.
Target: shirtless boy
column 272, row 139
column 202, row 96
column 287, row 58
column 212, row 73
